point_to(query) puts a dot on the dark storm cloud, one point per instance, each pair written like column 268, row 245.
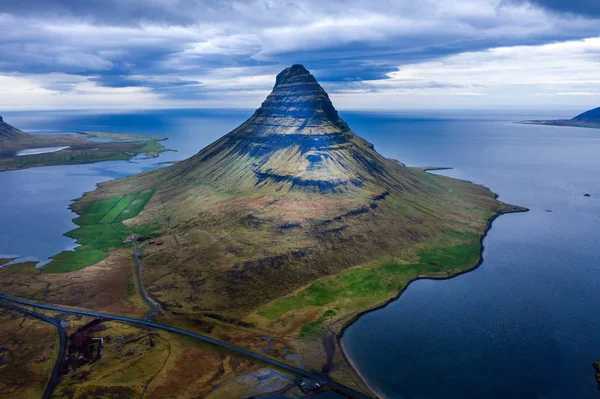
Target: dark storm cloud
column 119, row 11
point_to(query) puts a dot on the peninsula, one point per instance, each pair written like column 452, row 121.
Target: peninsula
column 589, row 119
column 273, row 238
column 20, row 150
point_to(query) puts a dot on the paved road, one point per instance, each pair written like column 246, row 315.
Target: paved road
column 138, row 272
column 241, row 351
column 57, row 370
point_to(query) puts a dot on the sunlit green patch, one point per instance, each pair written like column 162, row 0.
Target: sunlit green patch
column 359, row 286
column 136, row 206
column 100, row 230
column 68, row 261
column 119, row 207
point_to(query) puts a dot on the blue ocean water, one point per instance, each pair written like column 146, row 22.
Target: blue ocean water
column 526, row 324
column 523, row 325
column 34, row 212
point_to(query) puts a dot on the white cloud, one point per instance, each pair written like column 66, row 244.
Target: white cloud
column 237, row 47
column 30, row 92
column 518, row 75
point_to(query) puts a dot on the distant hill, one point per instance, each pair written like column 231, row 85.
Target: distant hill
column 589, row 119
column 10, row 134
column 589, row 116
column 68, row 149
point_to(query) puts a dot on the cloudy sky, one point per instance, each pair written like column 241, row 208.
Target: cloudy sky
column 385, row 54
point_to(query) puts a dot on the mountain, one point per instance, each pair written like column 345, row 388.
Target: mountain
column 288, row 226
column 292, row 185
column 589, row 116
column 295, row 141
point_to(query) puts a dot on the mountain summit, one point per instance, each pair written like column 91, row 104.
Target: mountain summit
column 295, row 141
column 297, row 105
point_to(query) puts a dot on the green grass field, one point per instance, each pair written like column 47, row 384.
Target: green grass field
column 356, row 286
column 117, row 209
column 100, row 229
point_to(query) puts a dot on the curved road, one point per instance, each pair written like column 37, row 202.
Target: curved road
column 57, row 369
column 349, row 392
column 138, row 273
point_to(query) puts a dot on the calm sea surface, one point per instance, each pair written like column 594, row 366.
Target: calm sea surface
column 526, row 324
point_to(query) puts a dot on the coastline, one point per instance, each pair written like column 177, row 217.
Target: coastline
column 76, row 149
column 560, row 123
column 354, row 318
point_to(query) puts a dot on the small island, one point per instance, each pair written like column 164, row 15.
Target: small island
column 589, row 119
column 21, row 150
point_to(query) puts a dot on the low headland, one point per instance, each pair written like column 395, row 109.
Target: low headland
column 589, row 119
column 20, row 150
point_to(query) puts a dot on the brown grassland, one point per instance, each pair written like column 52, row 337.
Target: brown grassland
column 28, row 349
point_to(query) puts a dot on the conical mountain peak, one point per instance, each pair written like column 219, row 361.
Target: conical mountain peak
column 295, row 141
column 297, row 105
column 294, row 75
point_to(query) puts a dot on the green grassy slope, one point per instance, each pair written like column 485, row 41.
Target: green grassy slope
column 100, row 230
